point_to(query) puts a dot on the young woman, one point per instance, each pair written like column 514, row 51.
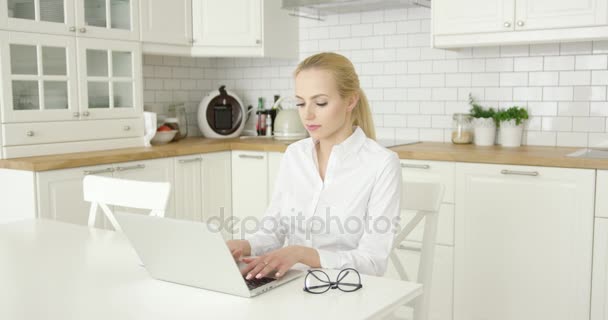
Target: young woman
column 337, row 193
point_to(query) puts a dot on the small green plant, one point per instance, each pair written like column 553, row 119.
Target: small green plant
column 477, row 111
column 514, row 113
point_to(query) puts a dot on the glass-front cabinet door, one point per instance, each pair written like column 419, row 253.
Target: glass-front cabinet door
column 44, row 16
column 39, row 77
column 108, row 19
column 109, row 78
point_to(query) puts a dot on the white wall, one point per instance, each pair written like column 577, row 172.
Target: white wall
column 413, row 89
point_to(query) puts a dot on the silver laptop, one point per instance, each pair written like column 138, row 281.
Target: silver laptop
column 191, row 253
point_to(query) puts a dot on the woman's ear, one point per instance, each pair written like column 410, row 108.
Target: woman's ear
column 353, row 101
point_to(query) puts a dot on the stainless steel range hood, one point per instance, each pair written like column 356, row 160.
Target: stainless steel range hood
column 318, row 8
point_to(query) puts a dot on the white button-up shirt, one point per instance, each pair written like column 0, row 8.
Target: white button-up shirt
column 349, row 217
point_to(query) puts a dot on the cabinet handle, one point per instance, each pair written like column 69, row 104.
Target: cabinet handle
column 82, row 30
column 29, row 133
column 192, row 40
column 86, row 113
column 88, row 172
column 76, row 114
column 507, row 24
column 520, row 23
column 137, row 166
column 409, row 248
column 415, row 166
column 247, row 156
column 72, row 29
column 126, row 128
column 258, row 41
column 521, row 173
column 190, row 160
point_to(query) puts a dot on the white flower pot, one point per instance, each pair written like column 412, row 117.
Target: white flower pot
column 511, row 133
column 485, row 131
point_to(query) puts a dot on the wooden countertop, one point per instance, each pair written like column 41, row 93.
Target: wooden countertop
column 526, row 155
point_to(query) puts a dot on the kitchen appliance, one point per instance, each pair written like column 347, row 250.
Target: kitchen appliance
column 315, row 9
column 221, row 114
column 287, row 124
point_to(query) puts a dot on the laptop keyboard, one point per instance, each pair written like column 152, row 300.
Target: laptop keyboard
column 254, row 283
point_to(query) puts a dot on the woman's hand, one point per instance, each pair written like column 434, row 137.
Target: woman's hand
column 280, row 260
column 238, row 248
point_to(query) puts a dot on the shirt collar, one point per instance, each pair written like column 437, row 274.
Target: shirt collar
column 352, row 144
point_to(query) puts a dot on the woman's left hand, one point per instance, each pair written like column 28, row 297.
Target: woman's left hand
column 280, row 260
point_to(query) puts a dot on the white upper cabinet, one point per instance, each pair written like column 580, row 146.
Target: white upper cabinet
column 109, row 79
column 44, row 16
column 472, row 16
column 523, row 242
column 39, row 77
column 546, row 14
column 108, row 19
column 496, row 22
column 166, row 22
column 227, row 23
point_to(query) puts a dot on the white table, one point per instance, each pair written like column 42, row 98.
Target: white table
column 53, row 270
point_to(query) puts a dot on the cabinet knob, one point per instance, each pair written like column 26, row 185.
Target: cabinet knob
column 82, row 30
column 258, row 41
column 192, row 40
column 72, row 29
column 520, row 23
column 507, row 24
column 76, row 114
column 86, row 113
column 30, row 133
column 127, row 128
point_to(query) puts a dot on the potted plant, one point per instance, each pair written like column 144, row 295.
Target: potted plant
column 511, row 123
column 484, row 123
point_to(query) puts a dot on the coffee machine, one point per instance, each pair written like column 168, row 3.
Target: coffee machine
column 221, row 114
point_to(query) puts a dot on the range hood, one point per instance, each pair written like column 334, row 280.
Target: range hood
column 317, row 8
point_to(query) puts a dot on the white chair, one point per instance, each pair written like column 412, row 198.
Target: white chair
column 425, row 200
column 104, row 191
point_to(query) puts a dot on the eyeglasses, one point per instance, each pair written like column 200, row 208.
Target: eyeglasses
column 317, row 281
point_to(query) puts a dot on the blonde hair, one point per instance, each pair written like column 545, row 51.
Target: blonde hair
column 348, row 85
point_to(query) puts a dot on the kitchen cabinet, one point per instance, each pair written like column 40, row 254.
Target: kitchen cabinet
column 497, row 22
column 523, row 242
column 60, row 192
column 601, row 194
column 274, row 163
column 157, row 170
column 106, row 19
column 249, row 190
column 56, row 89
column 203, row 189
column 60, row 195
column 599, row 285
column 243, row 28
column 166, row 26
column 441, row 288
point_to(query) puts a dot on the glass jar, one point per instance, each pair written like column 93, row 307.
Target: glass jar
column 173, row 123
column 462, row 128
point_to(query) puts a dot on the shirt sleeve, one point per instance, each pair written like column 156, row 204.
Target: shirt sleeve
column 270, row 234
column 371, row 255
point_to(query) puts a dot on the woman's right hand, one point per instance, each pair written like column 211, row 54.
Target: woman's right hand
column 239, row 248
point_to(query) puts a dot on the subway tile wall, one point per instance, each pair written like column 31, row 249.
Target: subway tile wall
column 414, row 89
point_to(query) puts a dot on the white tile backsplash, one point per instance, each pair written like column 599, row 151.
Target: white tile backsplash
column 414, row 89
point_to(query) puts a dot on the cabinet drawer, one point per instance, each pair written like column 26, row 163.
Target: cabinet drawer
column 431, row 171
column 601, row 202
column 16, row 134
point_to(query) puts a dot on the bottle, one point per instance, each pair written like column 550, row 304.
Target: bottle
column 268, row 125
column 260, row 125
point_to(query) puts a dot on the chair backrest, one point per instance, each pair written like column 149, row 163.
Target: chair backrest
column 104, row 191
column 425, row 200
